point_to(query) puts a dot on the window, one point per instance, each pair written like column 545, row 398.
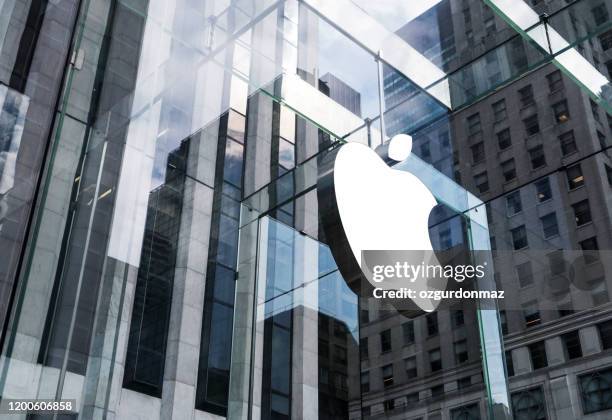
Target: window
column 590, row 250
column 549, row 225
column 467, row 412
column 575, row 179
column 509, row 170
column 568, row 143
column 432, row 324
column 582, row 212
column 519, row 237
column 411, row 367
column 529, row 404
column 606, row 40
column 482, row 182
column 366, row 411
column 385, row 341
column 531, row 124
column 596, row 391
column 363, row 348
column 389, row 405
column 531, row 314
column 412, row 398
column 537, row 157
column 555, row 81
column 595, row 110
column 435, row 360
column 458, row 319
column 602, row 139
column 478, row 152
column 365, row 381
column 513, row 203
column 526, row 96
column 425, row 151
column 605, row 334
column 556, row 262
column 561, row 112
column 503, row 139
column 571, row 343
column 437, row 391
column 537, row 353
column 364, row 316
column 286, row 155
column 464, row 382
column 499, row 110
column 490, row 25
column 387, row 375
column 408, row 332
column 600, row 14
column 524, row 273
column 461, row 353
column 509, row 363
column 503, row 320
column 473, row 122
column 543, row 191
column 609, row 174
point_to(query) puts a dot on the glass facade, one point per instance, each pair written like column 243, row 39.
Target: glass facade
column 163, row 248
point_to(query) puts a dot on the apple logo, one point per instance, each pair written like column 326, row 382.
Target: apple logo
column 367, row 205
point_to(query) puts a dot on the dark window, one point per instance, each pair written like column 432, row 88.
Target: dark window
column 537, row 352
column 478, row 152
column 532, row 126
column 531, row 313
column 389, row 405
column 286, row 154
column 537, row 157
column 503, row 139
column 596, row 391
column 499, row 110
column 461, row 353
column 513, row 203
column 503, row 320
column 363, row 348
column 467, row 412
column 437, row 391
column 595, row 110
column 519, row 237
column 509, row 170
column 524, row 273
column 387, row 375
column 364, row 316
column 582, row 212
column 555, row 81
column 435, row 360
column 571, row 342
column 408, row 332
column 602, row 139
column 590, row 250
column 464, row 382
column 600, row 14
column 556, row 262
column 365, row 381
column 549, row 225
column 568, row 143
column 561, row 112
column 458, row 319
column 473, row 122
column 606, row 40
column 482, row 182
column 412, row 398
column 605, row 334
column 432, row 324
column 509, row 363
column 385, row 341
column 543, row 191
column 411, row 367
column 425, row 151
column 529, row 404
column 526, row 96
column 575, row 178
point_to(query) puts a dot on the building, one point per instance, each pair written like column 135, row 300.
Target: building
column 163, row 253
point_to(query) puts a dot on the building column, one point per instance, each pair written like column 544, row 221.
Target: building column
column 521, row 360
column 589, row 340
column 554, row 351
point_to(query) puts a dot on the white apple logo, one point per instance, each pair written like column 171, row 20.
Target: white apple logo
column 379, row 208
